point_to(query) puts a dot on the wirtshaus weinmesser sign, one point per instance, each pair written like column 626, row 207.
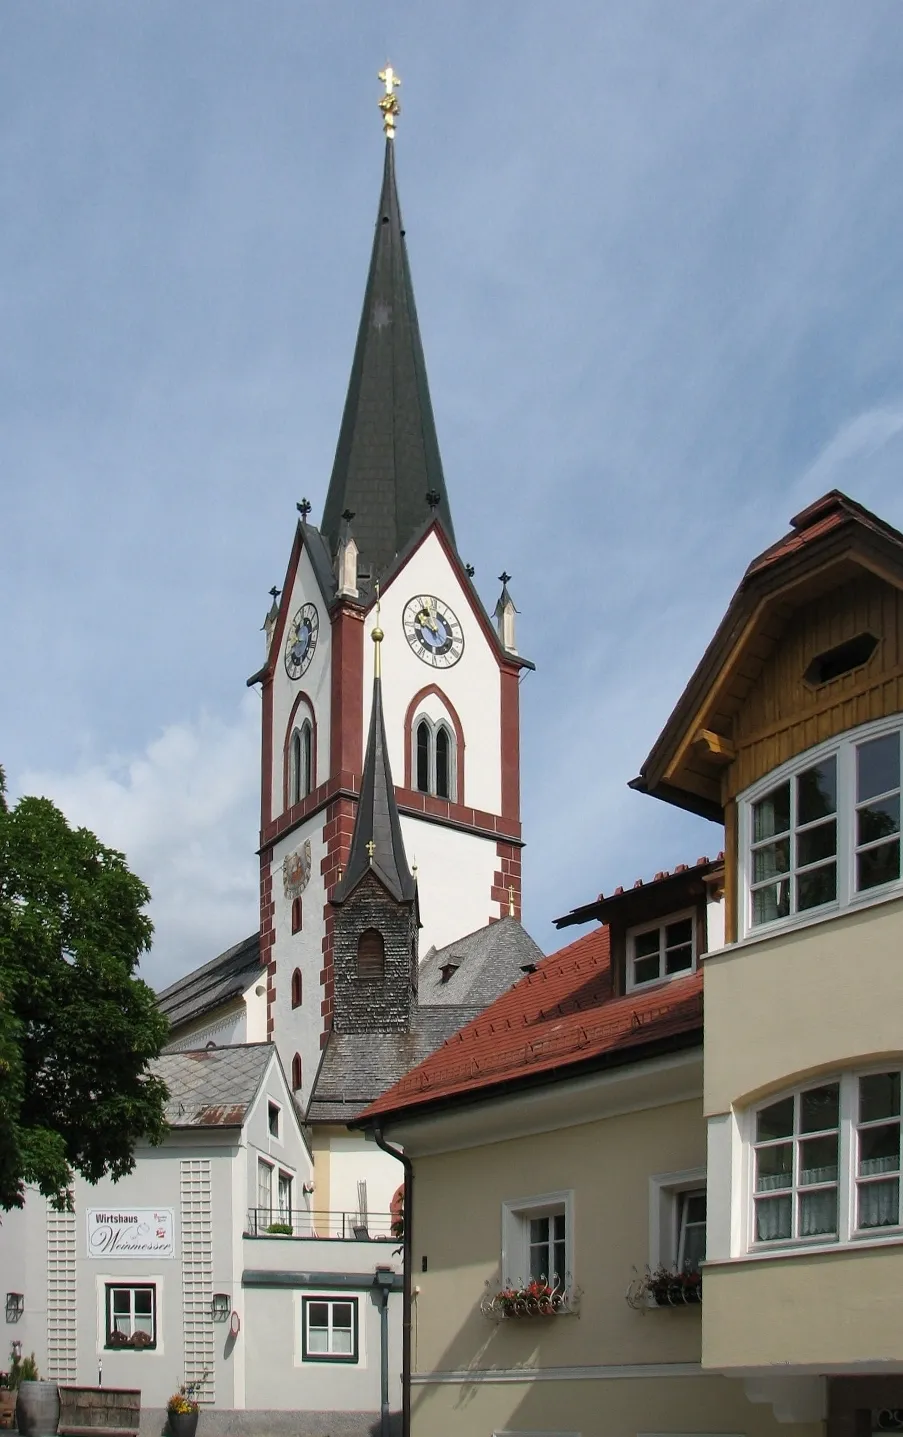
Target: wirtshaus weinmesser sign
column 131, row 1232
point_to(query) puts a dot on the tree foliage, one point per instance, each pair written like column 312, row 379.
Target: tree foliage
column 78, row 1028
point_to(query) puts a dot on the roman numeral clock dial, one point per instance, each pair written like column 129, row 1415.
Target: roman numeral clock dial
column 301, row 641
column 433, row 631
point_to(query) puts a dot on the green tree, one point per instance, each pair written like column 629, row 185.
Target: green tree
column 78, row 1029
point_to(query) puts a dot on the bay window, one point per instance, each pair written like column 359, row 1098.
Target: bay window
column 825, row 1161
column 823, row 830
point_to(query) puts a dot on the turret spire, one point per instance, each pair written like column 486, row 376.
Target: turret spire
column 387, row 459
column 376, row 844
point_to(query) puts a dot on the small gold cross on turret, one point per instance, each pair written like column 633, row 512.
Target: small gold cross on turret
column 389, row 102
column 371, row 848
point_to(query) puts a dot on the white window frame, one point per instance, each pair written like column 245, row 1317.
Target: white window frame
column 103, row 1280
column 844, row 749
column 434, row 725
column 263, row 1164
column 660, row 925
column 274, row 1107
column 356, row 1357
column 516, row 1215
column 131, row 1287
column 284, row 1179
column 849, row 1235
column 665, row 1193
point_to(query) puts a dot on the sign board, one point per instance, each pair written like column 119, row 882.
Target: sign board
column 131, row 1232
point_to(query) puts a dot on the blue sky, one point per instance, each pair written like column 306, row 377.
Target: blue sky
column 656, row 251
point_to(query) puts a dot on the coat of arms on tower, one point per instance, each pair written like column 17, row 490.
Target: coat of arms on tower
column 296, row 870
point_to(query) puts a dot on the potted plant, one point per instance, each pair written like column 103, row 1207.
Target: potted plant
column 182, row 1410
column 281, row 1229
column 37, row 1402
column 670, row 1288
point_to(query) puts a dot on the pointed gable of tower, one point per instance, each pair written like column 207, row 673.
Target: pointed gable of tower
column 375, row 959
column 387, row 459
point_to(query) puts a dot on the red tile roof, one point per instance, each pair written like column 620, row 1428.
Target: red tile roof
column 586, row 911
column 830, row 512
column 561, row 1015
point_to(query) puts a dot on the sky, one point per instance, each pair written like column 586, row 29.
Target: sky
column 656, row 253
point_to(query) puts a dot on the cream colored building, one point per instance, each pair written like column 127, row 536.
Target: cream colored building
column 588, row 1112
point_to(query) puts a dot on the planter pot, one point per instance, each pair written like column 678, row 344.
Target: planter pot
column 183, row 1424
column 7, row 1408
column 37, row 1409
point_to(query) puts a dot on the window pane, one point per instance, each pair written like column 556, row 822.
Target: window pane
column 771, row 814
column 646, row 970
column 341, row 1314
column 878, row 865
column 773, row 1216
column 694, row 1207
column 771, row 902
column 144, row 1323
column 879, row 1096
column 818, row 1213
column 317, row 1339
column 442, row 765
column 879, row 1204
column 774, row 1167
column 679, row 933
column 539, row 1263
column 819, row 1108
column 773, row 859
column 877, row 766
column 678, row 960
column 816, row 843
column 558, row 1227
column 122, row 1300
column 878, row 820
column 646, row 943
column 816, row 791
column 694, row 1248
column 818, row 1161
column 775, row 1121
column 559, row 1264
column 816, row 887
column 144, row 1302
column 318, row 1314
column 539, row 1229
column 341, row 1341
column 879, row 1149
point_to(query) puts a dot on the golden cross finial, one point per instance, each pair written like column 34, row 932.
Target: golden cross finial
column 371, row 849
column 511, row 900
column 389, row 102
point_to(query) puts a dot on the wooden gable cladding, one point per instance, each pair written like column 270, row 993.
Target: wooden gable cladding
column 782, row 715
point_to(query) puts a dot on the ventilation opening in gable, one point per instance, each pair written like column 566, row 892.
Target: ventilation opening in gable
column 842, row 659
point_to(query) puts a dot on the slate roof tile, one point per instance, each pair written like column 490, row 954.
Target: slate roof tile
column 212, row 1087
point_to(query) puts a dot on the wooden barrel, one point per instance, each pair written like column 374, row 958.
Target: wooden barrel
column 37, row 1409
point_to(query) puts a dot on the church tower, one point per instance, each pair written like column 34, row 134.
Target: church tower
column 446, row 714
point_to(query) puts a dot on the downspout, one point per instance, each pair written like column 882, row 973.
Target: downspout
column 406, row 1294
column 384, row 1361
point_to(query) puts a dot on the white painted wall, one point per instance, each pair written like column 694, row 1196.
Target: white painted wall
column 454, row 873
column 316, row 682
column 352, row 1160
column 298, row 1029
column 473, row 684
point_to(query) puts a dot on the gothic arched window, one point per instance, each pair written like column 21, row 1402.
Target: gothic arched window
column 297, row 1072
column 424, row 755
column 296, row 915
column 435, row 759
column 371, row 954
column 300, row 753
column 296, row 988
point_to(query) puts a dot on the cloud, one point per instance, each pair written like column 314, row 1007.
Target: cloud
column 857, row 455
column 184, row 812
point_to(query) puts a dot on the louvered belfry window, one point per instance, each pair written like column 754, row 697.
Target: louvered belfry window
column 371, row 954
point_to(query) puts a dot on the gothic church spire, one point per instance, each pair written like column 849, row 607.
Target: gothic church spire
column 387, row 458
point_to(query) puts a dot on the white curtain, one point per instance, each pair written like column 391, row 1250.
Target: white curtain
column 879, row 1204
column 818, row 1213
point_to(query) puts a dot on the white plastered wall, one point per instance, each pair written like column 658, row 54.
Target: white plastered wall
column 352, row 1160
column 472, row 685
column 316, row 682
column 454, row 874
column 297, row 1030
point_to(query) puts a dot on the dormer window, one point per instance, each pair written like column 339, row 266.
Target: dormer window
column 660, row 951
column 824, row 830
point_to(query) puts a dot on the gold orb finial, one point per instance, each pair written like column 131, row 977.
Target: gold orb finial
column 377, row 636
column 389, row 103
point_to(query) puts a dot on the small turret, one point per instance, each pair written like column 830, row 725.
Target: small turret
column 269, row 623
column 346, row 556
column 504, row 615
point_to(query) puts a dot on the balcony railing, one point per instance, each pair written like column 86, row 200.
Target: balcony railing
column 304, row 1223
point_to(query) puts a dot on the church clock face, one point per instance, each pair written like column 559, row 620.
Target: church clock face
column 301, row 641
column 433, row 631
